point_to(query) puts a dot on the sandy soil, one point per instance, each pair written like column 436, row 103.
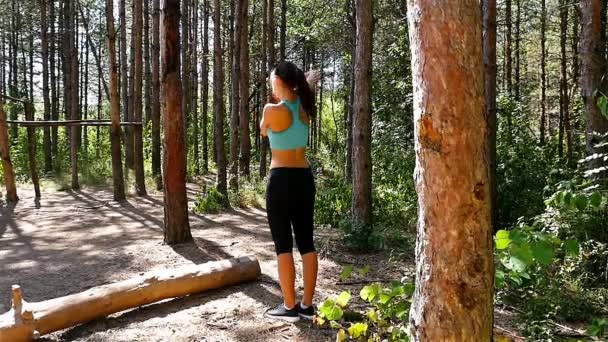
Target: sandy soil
column 73, row 240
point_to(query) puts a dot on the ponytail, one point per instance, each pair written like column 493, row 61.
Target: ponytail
column 295, row 78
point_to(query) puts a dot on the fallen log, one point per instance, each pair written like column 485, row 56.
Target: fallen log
column 28, row 321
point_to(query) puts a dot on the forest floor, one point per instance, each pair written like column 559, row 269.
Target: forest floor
column 70, row 241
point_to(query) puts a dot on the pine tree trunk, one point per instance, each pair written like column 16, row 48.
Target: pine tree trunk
column 592, row 68
column 564, row 101
column 74, row 86
column 138, row 145
column 517, row 51
column 245, row 140
column 264, row 89
column 54, row 80
column 177, row 228
column 283, row 39
column 194, row 83
column 489, row 58
column 205, row 85
column 543, row 71
column 156, row 94
column 509, row 64
column 115, row 134
column 575, row 41
column 124, row 84
column 362, row 117
column 85, row 98
column 218, row 101
column 453, row 296
column 185, row 61
column 48, row 155
column 147, row 66
column 7, row 166
column 236, row 98
column 508, row 51
column 349, row 83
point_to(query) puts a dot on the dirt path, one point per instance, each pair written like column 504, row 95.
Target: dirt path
column 71, row 241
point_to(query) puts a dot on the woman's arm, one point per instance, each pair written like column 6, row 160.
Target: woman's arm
column 265, row 122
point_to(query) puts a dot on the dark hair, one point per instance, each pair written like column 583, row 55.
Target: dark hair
column 295, row 79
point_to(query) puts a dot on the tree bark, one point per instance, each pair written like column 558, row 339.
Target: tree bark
column 205, row 85
column 7, row 165
column 194, row 86
column 509, row 64
column 218, row 102
column 517, row 85
column 124, row 84
column 453, row 296
column 235, row 93
column 489, row 59
column 177, row 227
column 592, row 71
column 48, row 156
column 27, row 321
column 115, row 132
column 156, row 172
column 74, row 86
column 564, row 100
column 543, row 71
column 147, row 64
column 185, row 62
column 138, row 145
column 245, row 140
column 362, row 117
column 31, row 147
column 263, row 80
column 54, row 80
column 283, row 38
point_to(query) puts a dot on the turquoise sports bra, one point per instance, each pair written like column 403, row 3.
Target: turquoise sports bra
column 295, row 136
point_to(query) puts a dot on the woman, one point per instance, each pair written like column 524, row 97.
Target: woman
column 290, row 194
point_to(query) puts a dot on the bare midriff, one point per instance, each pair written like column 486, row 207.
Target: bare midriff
column 289, row 158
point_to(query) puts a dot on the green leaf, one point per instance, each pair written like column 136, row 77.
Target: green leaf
column 346, row 273
column 370, row 292
column 343, row 299
column 602, row 103
column 363, row 271
column 572, row 247
column 580, row 202
column 516, row 264
column 357, row 330
column 502, row 239
column 409, row 289
column 543, row 252
column 334, row 314
column 384, row 298
column 334, row 325
column 330, row 310
column 523, row 252
column 567, row 198
column 499, row 279
column 595, row 200
column 372, row 315
column 341, row 336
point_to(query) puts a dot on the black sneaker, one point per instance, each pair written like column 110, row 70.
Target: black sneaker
column 281, row 313
column 307, row 313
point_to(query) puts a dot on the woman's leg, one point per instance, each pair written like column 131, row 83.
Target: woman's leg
column 287, row 277
column 303, row 225
column 311, row 266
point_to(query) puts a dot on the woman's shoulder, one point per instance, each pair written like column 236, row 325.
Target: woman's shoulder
column 270, row 108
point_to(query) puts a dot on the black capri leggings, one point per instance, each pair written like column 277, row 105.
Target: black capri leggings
column 290, row 201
